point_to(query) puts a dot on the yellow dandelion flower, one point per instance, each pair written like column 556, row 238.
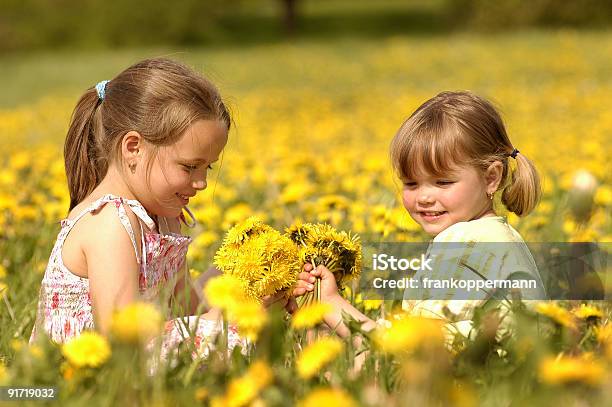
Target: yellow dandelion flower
column 567, row 369
column 67, row 371
column 250, row 317
column 205, row 239
column 244, row 389
column 194, row 273
column 218, row 401
column 17, row 344
column 328, row 397
column 295, row 191
column 224, row 291
column 245, row 229
column 270, row 263
column 588, row 312
column 317, row 355
column 3, row 373
column 25, row 213
column 3, row 289
column 2, row 271
column 236, row 213
column 603, row 196
column 36, row 351
column 201, row 394
column 87, row 350
column 266, row 262
column 310, row 315
column 370, row 305
column 20, row 160
column 569, row 226
column 604, row 333
column 261, row 373
column 408, row 333
column 333, row 202
column 240, row 392
column 559, row 315
column 320, row 243
column 136, row 323
column 299, row 232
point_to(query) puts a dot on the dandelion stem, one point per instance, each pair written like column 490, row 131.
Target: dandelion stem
column 10, row 309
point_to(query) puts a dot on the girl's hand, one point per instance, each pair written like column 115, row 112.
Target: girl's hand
column 279, row 298
column 282, row 299
column 330, row 295
column 329, row 287
column 304, row 284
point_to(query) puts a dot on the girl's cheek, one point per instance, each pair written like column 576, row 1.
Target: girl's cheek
column 407, row 199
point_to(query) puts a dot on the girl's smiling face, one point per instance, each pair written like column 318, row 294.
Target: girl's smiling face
column 179, row 171
column 437, row 202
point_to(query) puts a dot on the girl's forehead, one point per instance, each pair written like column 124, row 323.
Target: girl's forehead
column 454, row 170
column 204, row 140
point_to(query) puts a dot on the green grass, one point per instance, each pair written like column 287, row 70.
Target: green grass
column 328, row 64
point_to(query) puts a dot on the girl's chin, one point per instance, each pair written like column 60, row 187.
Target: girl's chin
column 433, row 232
column 434, row 229
column 170, row 212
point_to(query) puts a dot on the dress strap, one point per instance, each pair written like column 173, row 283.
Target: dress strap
column 120, row 203
column 135, row 207
column 70, row 222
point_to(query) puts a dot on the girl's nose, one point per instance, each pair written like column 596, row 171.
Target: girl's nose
column 199, row 184
column 425, row 197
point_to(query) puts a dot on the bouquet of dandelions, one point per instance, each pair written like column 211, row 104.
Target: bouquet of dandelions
column 264, row 260
column 321, row 244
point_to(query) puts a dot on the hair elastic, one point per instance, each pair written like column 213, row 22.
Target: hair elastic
column 514, row 153
column 101, row 89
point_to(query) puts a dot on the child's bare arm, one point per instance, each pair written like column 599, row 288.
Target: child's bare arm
column 112, row 268
column 330, row 295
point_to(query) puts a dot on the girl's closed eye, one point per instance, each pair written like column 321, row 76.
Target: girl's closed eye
column 194, row 167
column 189, row 167
column 445, row 182
column 410, row 184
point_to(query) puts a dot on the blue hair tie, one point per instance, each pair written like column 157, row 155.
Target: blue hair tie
column 101, row 89
column 514, row 153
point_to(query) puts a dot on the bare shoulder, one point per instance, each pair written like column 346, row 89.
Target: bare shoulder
column 99, row 234
column 105, row 235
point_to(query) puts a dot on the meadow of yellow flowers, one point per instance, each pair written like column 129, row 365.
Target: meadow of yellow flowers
column 310, row 143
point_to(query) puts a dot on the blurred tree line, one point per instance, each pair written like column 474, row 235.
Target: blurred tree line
column 30, row 24
column 95, row 23
column 501, row 14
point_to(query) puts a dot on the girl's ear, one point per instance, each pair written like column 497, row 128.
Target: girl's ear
column 132, row 146
column 493, row 176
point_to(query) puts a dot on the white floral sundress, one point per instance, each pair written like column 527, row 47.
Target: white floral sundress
column 65, row 308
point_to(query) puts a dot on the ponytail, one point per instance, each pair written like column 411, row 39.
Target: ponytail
column 523, row 193
column 81, row 156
